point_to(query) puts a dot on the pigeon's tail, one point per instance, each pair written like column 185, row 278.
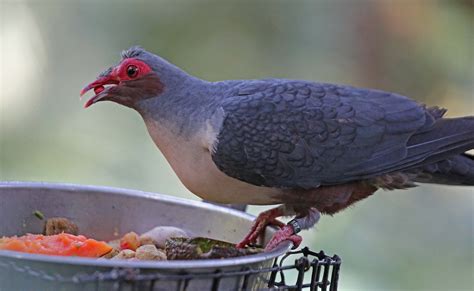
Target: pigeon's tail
column 447, row 138
column 457, row 170
column 443, row 147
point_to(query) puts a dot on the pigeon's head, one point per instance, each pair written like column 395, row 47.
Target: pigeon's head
column 139, row 75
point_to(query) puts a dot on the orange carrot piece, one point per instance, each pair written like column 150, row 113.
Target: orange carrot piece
column 63, row 244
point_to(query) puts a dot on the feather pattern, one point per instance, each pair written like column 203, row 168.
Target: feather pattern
column 297, row 134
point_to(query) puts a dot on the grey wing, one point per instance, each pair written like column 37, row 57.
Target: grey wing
column 297, row 134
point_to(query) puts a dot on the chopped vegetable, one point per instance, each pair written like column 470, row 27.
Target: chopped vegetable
column 124, row 255
column 130, row 241
column 160, row 243
column 111, row 254
column 61, row 245
column 114, row 243
column 57, row 225
column 38, row 214
column 149, row 252
column 179, row 248
column 160, row 234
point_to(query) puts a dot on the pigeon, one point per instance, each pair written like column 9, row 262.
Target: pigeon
column 310, row 148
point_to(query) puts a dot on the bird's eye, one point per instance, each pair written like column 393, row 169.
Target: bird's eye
column 132, row 71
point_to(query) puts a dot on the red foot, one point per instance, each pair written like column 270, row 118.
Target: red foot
column 285, row 233
column 264, row 219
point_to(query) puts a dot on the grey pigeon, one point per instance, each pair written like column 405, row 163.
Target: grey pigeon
column 309, row 147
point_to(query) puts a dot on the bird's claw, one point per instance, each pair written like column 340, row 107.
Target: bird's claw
column 285, row 233
column 264, row 219
column 257, row 229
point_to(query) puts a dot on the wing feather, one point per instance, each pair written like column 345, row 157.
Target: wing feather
column 296, row 134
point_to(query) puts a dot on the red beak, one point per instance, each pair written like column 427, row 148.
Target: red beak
column 99, row 89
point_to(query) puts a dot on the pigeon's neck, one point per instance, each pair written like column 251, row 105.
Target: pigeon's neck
column 184, row 108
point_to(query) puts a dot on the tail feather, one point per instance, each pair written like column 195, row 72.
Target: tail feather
column 457, row 170
column 442, row 146
column 446, row 138
column 446, row 135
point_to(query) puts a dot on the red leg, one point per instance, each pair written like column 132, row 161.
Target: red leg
column 285, row 233
column 265, row 218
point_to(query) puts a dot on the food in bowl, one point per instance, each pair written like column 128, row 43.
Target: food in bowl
column 60, row 237
column 63, row 244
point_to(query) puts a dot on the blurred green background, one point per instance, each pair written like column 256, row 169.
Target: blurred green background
column 418, row 239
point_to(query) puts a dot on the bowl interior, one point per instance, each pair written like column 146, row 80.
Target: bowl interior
column 107, row 213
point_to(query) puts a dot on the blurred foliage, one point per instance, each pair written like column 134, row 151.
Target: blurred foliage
column 419, row 239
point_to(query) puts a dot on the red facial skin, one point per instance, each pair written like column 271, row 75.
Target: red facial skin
column 120, row 71
column 119, row 76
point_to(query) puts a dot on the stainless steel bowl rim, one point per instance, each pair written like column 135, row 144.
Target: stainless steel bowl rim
column 176, row 264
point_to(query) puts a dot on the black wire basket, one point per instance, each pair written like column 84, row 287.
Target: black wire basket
column 296, row 270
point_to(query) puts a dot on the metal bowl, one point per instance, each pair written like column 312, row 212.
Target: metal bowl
column 104, row 213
